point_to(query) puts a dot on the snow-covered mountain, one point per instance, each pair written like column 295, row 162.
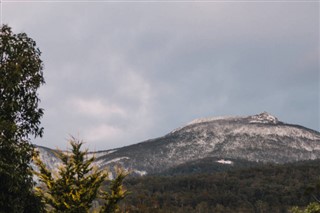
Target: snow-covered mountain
column 257, row 138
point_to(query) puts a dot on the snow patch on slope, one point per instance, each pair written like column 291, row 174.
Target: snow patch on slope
column 276, row 130
column 103, row 163
column 141, row 173
column 203, row 120
column 222, row 161
column 99, row 154
column 263, row 118
column 49, row 159
column 117, row 159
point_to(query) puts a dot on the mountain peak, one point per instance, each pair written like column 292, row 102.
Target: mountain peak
column 264, row 118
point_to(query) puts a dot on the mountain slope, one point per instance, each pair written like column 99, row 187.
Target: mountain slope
column 257, row 138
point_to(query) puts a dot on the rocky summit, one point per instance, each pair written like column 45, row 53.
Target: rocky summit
column 257, row 138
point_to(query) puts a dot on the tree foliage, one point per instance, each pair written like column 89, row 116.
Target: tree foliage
column 267, row 188
column 314, row 206
column 77, row 184
column 115, row 194
column 20, row 77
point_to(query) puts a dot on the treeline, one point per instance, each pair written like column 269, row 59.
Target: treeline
column 269, row 188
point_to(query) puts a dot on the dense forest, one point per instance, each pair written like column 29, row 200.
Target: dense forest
column 267, row 188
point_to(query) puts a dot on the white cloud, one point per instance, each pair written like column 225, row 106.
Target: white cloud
column 104, row 132
column 95, row 107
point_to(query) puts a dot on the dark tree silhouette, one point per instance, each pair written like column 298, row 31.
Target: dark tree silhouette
column 20, row 77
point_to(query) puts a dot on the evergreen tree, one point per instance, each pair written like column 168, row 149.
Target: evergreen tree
column 77, row 184
column 313, row 207
column 115, row 193
column 20, row 77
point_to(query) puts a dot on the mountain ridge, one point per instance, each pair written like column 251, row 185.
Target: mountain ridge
column 255, row 138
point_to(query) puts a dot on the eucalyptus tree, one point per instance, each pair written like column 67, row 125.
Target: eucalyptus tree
column 21, row 74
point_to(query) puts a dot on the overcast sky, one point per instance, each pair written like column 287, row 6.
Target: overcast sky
column 118, row 73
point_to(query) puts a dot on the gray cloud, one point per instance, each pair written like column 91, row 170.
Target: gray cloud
column 120, row 73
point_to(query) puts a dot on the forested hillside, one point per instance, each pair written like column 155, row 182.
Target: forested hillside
column 270, row 188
